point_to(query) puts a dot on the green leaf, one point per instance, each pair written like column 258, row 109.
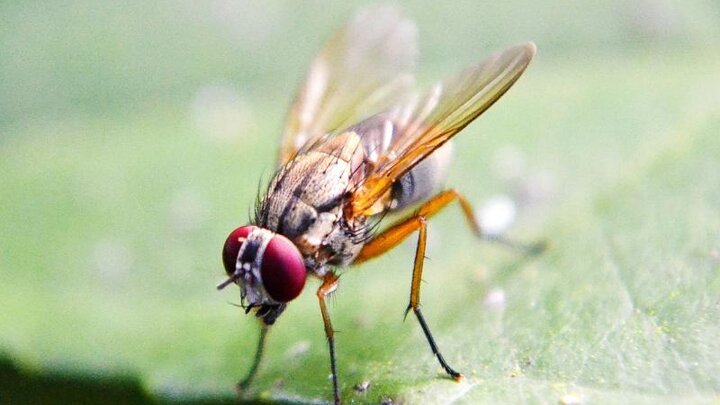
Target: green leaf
column 112, row 222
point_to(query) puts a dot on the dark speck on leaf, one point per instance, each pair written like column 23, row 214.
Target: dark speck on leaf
column 362, row 387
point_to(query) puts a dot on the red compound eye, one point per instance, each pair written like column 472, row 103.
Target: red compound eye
column 232, row 247
column 283, row 270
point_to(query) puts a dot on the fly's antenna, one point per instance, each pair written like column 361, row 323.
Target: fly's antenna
column 233, row 278
column 236, row 275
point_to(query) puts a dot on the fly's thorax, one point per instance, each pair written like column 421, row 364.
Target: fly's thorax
column 305, row 197
column 309, row 241
column 346, row 241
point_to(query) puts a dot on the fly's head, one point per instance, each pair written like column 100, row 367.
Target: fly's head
column 267, row 266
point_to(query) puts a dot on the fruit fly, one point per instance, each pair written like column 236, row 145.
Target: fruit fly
column 359, row 142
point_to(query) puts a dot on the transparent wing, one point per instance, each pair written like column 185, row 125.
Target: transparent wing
column 365, row 68
column 427, row 121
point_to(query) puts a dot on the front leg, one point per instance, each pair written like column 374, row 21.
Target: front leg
column 245, row 382
column 328, row 286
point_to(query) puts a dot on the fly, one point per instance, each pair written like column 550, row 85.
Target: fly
column 359, row 142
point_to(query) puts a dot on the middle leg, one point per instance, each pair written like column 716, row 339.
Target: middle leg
column 414, row 303
column 397, row 233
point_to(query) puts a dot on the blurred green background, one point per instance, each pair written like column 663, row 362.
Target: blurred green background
column 133, row 137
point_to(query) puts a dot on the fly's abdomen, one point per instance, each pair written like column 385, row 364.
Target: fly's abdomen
column 424, row 180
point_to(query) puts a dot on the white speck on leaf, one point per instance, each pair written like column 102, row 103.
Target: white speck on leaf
column 299, row 348
column 495, row 299
column 496, row 215
column 571, row 398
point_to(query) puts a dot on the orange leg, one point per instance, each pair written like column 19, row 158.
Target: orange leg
column 417, row 222
column 397, row 233
column 402, row 229
column 327, row 287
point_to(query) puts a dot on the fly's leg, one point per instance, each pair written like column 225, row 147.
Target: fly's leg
column 417, row 222
column 415, row 298
column 399, row 231
column 245, row 382
column 328, row 286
